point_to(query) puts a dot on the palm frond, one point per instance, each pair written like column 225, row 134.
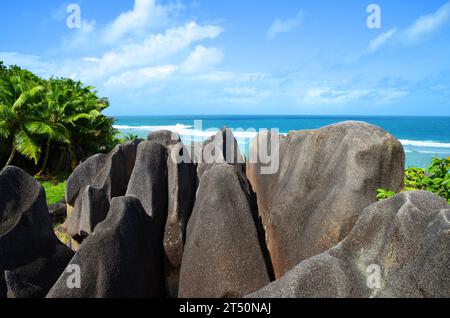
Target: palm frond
column 54, row 131
column 75, row 117
column 94, row 113
column 26, row 146
column 61, row 134
column 4, row 130
column 28, row 96
column 5, row 112
column 38, row 128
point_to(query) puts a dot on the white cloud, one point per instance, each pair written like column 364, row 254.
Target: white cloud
column 202, row 59
column 221, row 76
column 280, row 26
column 416, row 32
column 152, row 50
column 428, row 24
column 381, row 40
column 31, row 62
column 91, row 59
column 145, row 13
column 335, row 96
column 138, row 78
column 248, row 95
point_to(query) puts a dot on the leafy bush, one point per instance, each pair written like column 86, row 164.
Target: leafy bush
column 55, row 190
column 129, row 137
column 383, row 194
column 436, row 179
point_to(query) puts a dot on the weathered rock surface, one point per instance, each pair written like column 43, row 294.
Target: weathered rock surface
column 93, row 184
column 58, row 211
column 263, row 167
column 148, row 181
column 182, row 189
column 164, row 180
column 407, row 238
column 219, row 149
column 325, row 179
column 121, row 259
column 31, row 257
column 166, row 238
column 223, row 256
column 165, row 138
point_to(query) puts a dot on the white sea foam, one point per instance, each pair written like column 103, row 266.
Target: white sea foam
column 437, row 152
column 153, row 128
column 187, row 131
column 420, row 143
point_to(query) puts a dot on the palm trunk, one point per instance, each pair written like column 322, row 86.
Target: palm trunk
column 73, row 157
column 61, row 161
column 11, row 156
column 47, row 152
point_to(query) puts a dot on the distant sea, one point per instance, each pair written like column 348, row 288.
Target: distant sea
column 422, row 137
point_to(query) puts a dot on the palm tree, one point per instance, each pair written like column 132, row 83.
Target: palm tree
column 18, row 106
column 44, row 115
column 65, row 104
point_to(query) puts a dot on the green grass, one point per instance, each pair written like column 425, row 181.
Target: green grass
column 54, row 189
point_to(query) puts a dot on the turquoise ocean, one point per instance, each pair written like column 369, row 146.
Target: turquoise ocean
column 422, row 137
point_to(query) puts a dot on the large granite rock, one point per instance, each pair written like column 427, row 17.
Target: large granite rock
column 219, row 149
column 182, row 189
column 58, row 211
column 165, row 138
column 148, row 182
column 224, row 253
column 164, row 180
column 93, row 184
column 265, row 153
column 325, row 179
column 399, row 248
column 121, row 259
column 31, row 257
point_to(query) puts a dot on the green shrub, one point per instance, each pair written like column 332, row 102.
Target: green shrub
column 54, row 190
column 383, row 194
column 128, row 137
column 436, row 179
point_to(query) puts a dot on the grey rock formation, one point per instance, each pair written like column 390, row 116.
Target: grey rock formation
column 399, row 248
column 164, row 181
column 58, row 211
column 165, row 138
column 325, row 179
column 121, row 259
column 182, row 189
column 264, row 182
column 148, row 181
column 223, row 256
column 93, row 184
column 31, row 257
column 219, row 149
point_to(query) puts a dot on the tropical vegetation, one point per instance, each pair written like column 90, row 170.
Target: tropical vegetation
column 436, row 179
column 48, row 126
column 55, row 190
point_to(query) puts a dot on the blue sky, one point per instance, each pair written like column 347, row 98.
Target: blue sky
column 241, row 56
